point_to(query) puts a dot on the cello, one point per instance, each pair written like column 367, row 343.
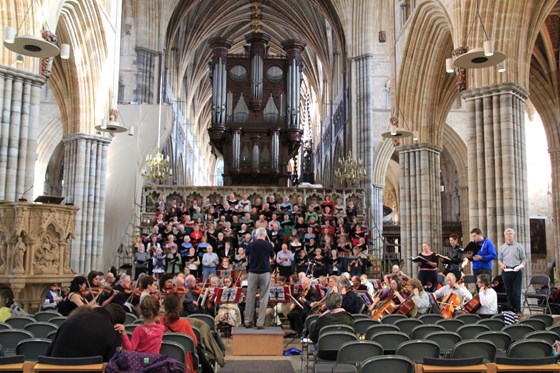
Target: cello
column 474, row 305
column 449, row 303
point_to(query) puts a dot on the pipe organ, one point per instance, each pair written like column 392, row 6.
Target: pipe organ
column 256, row 102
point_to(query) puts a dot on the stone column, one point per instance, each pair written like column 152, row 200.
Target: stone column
column 85, row 172
column 376, row 216
column 19, row 130
column 420, row 201
column 497, row 164
column 555, row 166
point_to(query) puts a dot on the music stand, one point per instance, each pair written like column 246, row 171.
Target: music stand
column 228, row 295
column 221, row 273
column 279, row 294
column 51, row 200
column 364, row 296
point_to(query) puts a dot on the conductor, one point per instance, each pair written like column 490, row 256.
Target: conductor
column 259, row 254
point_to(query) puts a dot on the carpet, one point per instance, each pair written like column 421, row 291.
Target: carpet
column 257, row 366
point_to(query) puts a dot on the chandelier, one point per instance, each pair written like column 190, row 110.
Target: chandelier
column 158, row 166
column 350, row 171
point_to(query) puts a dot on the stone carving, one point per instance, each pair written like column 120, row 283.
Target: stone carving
column 46, row 257
column 65, row 250
column 19, row 255
column 3, row 254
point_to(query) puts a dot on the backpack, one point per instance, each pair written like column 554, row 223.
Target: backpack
column 125, row 361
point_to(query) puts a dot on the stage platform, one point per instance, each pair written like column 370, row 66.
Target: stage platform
column 255, row 342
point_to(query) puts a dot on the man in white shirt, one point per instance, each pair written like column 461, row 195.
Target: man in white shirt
column 369, row 285
column 488, row 296
column 456, row 288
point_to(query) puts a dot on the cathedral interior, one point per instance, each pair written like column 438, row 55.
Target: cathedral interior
column 442, row 145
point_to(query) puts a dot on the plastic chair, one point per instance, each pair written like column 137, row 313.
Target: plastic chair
column 548, row 320
column 351, row 355
column 538, row 290
column 390, row 340
column 46, row 315
column 137, row 322
column 539, row 364
column 422, row 330
column 445, row 340
column 450, row 325
column 58, row 364
column 406, row 325
column 33, row 348
column 174, row 350
column 197, row 333
column 546, row 335
column 374, row 329
column 360, row 316
column 52, row 334
column 41, row 329
column 130, row 327
column 475, row 347
column 130, row 318
column 468, row 318
column 474, row 364
column 58, row 320
column 430, row 318
column 493, row 324
column 20, row 322
column 529, row 348
column 4, row 326
column 10, row 338
column 471, row 330
column 186, row 342
column 518, row 331
column 535, row 323
column 554, row 328
column 329, row 343
column 390, row 319
column 336, row 328
column 206, row 318
column 501, row 340
column 387, row 363
column 361, row 325
column 417, row 350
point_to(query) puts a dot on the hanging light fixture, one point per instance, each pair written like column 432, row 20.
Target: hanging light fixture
column 395, row 132
column 34, row 46
column 111, row 125
column 478, row 57
column 158, row 166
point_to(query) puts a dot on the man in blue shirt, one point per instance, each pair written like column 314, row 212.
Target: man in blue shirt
column 482, row 261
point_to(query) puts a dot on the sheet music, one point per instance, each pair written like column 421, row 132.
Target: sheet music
column 228, row 295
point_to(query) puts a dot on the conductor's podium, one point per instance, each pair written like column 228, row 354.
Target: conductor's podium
column 254, row 342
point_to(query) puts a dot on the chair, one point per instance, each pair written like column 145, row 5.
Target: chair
column 52, row 334
column 390, row 319
column 468, row 318
column 406, row 325
column 206, row 318
column 137, row 322
column 546, row 335
column 10, row 338
column 58, row 320
column 469, row 364
column 538, row 290
column 501, row 340
column 361, row 325
column 417, row 350
column 130, row 318
column 174, row 350
column 535, row 323
column 46, row 315
column 329, row 343
column 493, row 324
column 187, row 343
column 69, row 364
column 508, row 364
column 33, row 348
column 336, row 328
column 518, row 331
column 532, row 348
column 422, row 330
column 471, row 330
column 306, row 346
column 197, row 333
column 445, row 340
column 374, row 329
column 430, row 318
column 20, row 321
column 549, row 321
column 475, row 347
column 390, row 340
column 554, row 328
column 450, row 325
column 360, row 316
column 5, row 326
column 351, row 355
column 387, row 363
column 41, row 329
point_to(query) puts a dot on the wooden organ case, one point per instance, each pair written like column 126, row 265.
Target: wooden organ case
column 256, row 109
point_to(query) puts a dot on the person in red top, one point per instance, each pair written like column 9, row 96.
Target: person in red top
column 148, row 336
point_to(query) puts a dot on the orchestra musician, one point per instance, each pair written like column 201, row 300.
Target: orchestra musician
column 419, row 296
column 393, row 292
column 488, row 296
column 297, row 314
column 148, row 284
column 351, row 302
column 190, row 299
column 452, row 286
column 228, row 315
column 395, row 271
column 52, row 298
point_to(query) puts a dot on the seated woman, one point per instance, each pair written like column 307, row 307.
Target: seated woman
column 394, row 292
column 488, row 296
column 229, row 314
column 419, row 296
column 76, row 296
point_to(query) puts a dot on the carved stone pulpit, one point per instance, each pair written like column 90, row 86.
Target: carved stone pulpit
column 34, row 250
